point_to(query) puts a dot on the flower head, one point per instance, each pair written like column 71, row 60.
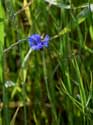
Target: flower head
column 36, row 43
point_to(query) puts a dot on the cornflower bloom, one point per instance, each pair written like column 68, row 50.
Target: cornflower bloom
column 37, row 43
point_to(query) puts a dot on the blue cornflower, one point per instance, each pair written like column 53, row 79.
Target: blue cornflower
column 36, row 43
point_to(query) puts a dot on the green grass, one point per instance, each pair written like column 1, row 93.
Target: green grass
column 54, row 86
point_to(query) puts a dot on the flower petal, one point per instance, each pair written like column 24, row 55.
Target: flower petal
column 46, row 41
column 46, row 38
column 36, row 43
column 34, row 39
column 37, row 47
column 45, row 44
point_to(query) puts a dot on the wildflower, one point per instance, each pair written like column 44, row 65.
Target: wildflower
column 36, row 43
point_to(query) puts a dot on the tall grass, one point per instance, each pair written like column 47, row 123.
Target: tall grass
column 53, row 86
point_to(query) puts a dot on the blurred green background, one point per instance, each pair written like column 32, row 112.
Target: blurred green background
column 56, row 86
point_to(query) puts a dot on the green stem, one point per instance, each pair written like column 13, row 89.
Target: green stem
column 13, row 45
